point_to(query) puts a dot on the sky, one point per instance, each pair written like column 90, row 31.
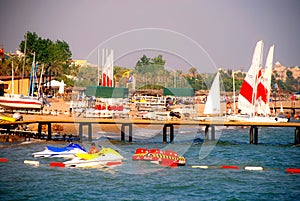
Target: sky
column 207, row 34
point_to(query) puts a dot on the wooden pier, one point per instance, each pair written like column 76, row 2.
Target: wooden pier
column 167, row 126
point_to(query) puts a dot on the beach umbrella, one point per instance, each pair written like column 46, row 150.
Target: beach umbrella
column 53, row 83
column 61, row 87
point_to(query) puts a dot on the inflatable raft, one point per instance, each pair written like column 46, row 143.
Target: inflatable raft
column 165, row 158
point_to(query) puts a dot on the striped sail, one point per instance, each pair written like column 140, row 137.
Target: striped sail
column 108, row 70
column 247, row 93
column 264, row 85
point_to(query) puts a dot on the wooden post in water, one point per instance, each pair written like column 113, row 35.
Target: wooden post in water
column 123, row 133
column 40, row 130
column 80, row 131
column 165, row 133
column 89, row 130
column 253, row 135
column 297, row 136
column 130, row 132
column 213, row 133
column 123, row 127
column 171, row 133
column 206, row 132
column 49, row 132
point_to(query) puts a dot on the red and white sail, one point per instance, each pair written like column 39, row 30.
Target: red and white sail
column 247, row 95
column 264, row 85
column 108, row 69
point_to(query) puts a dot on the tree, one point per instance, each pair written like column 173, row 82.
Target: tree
column 193, row 71
column 158, row 60
column 150, row 71
column 144, row 60
column 54, row 55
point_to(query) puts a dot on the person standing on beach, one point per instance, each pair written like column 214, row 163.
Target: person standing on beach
column 71, row 107
column 293, row 99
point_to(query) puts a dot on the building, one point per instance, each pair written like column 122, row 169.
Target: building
column 15, row 86
column 280, row 71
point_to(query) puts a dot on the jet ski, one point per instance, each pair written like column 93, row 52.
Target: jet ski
column 105, row 157
column 62, row 152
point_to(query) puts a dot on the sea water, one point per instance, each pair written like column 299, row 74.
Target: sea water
column 141, row 180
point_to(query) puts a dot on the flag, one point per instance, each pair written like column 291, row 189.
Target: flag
column 126, row 74
column 108, row 70
column 130, row 79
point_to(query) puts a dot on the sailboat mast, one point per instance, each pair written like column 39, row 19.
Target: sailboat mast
column 24, row 63
column 233, row 89
column 12, row 78
column 31, row 74
column 98, row 65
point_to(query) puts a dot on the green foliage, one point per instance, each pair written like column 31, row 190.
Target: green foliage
column 55, row 56
column 87, row 76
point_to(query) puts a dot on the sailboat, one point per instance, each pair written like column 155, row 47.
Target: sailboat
column 19, row 101
column 212, row 108
column 253, row 100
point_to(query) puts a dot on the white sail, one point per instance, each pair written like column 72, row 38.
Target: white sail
column 264, row 85
column 247, row 92
column 212, row 105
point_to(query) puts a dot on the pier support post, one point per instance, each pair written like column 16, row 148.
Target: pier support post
column 297, row 136
column 206, row 132
column 123, row 127
column 39, row 130
column 165, row 133
column 89, row 130
column 49, row 132
column 212, row 134
column 130, row 132
column 253, row 135
column 80, row 131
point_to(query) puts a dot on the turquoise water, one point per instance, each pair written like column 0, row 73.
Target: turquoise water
column 140, row 180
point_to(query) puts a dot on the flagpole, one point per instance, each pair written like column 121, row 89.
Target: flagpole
column 102, row 67
column 24, row 63
column 98, row 65
column 112, row 68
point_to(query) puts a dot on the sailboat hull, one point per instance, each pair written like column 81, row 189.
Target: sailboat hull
column 20, row 103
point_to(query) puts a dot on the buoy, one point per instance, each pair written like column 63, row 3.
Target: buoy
column 3, row 160
column 229, row 167
column 200, row 166
column 36, row 163
column 57, row 164
column 293, row 170
column 253, row 168
column 113, row 163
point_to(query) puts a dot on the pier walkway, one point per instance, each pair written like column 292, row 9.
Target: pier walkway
column 167, row 125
